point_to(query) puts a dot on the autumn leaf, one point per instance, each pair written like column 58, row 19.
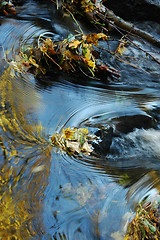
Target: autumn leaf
column 33, row 62
column 74, row 43
column 91, row 64
column 48, row 42
column 68, row 55
column 87, row 5
column 73, row 146
column 68, row 133
column 53, row 139
column 88, row 54
column 87, row 148
column 83, row 130
column 121, row 48
column 145, row 225
column 92, row 38
column 102, row 35
column 73, row 140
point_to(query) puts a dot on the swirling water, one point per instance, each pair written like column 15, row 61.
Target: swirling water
column 46, row 194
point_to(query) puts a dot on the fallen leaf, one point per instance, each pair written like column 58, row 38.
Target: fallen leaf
column 87, row 148
column 83, row 130
column 121, row 47
column 74, row 43
column 68, row 133
column 88, row 54
column 92, row 38
column 91, row 64
column 101, row 35
column 73, row 146
column 33, row 62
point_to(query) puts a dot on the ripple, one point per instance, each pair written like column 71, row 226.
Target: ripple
column 147, row 187
column 17, row 35
column 63, row 196
column 26, row 160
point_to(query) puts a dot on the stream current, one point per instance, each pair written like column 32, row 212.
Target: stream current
column 46, row 194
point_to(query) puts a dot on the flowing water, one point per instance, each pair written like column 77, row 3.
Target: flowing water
column 46, row 194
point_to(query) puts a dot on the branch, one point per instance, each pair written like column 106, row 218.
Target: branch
column 127, row 26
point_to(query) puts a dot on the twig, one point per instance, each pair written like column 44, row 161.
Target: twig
column 53, row 60
column 95, row 78
column 137, row 46
column 75, row 20
column 128, row 26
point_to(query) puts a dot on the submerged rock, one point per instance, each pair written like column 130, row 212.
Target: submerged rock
column 126, row 124
column 105, row 140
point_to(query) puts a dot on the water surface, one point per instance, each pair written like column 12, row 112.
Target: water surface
column 45, row 193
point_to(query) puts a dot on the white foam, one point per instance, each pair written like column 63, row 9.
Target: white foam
column 151, row 141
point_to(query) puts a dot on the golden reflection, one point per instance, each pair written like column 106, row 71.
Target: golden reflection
column 25, row 160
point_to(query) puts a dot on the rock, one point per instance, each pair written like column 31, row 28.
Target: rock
column 126, row 124
column 102, row 146
column 154, row 112
column 136, row 9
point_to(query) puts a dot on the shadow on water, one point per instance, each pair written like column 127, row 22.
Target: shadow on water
column 46, row 194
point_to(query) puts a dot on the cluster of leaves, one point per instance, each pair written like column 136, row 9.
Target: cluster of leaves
column 82, row 6
column 74, row 141
column 146, row 224
column 96, row 12
column 75, row 53
column 7, row 7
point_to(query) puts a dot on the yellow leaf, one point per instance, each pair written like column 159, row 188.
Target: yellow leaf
column 101, row 35
column 87, row 5
column 74, row 43
column 92, row 38
column 68, row 133
column 91, row 64
column 33, row 62
column 121, row 48
column 88, row 54
column 83, row 130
